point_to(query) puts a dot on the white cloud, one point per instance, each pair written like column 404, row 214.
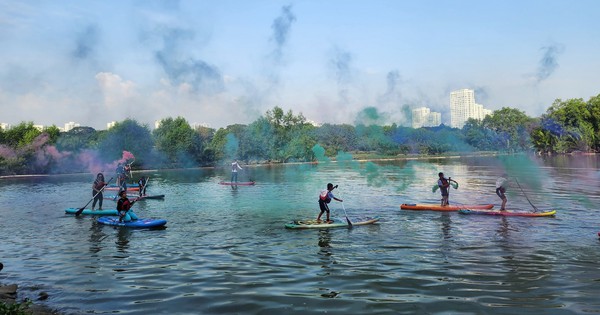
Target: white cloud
column 115, row 90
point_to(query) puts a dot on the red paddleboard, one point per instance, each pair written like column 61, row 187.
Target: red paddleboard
column 437, row 207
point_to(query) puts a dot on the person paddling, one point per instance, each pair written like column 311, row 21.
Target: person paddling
column 142, row 185
column 444, row 184
column 97, row 188
column 501, row 184
column 124, row 207
column 325, row 198
column 234, row 171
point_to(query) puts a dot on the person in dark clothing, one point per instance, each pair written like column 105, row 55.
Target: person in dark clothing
column 97, row 188
column 142, row 185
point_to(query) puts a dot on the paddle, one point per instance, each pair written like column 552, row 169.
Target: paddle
column 347, row 220
column 143, row 189
column 129, row 167
column 534, row 207
column 101, row 189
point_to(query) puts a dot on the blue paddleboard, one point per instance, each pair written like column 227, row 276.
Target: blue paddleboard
column 139, row 223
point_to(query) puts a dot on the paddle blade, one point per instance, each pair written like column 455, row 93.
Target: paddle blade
column 79, row 211
column 349, row 223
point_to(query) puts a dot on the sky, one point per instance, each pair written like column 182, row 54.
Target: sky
column 227, row 62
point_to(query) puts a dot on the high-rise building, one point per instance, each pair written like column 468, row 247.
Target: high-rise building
column 70, row 125
column 463, row 107
column 424, row 117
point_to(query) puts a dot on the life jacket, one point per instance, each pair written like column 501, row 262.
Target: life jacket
column 324, row 196
column 444, row 181
column 98, row 184
column 123, row 204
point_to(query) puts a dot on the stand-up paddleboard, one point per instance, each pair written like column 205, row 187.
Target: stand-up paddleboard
column 336, row 223
column 237, row 183
column 135, row 197
column 93, row 212
column 139, row 223
column 129, row 188
column 437, row 207
column 509, row 213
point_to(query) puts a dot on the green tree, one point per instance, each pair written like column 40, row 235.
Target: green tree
column 336, row 138
column 21, row 135
column 127, row 135
column 179, row 142
column 53, row 133
column 77, row 139
column 512, row 126
column 575, row 117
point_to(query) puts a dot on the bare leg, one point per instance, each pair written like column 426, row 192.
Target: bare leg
column 503, row 207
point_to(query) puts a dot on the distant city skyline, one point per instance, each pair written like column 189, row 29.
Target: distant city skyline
column 228, row 62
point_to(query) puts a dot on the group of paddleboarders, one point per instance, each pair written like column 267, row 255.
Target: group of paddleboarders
column 444, row 185
column 123, row 203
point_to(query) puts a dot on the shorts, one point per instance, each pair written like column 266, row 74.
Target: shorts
column 323, row 206
column 500, row 192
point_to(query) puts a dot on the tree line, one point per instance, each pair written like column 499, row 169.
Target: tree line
column 280, row 137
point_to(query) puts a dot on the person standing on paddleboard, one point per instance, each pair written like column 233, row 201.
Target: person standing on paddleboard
column 124, row 206
column 501, row 184
column 142, row 185
column 234, row 171
column 444, row 184
column 97, row 191
column 325, row 198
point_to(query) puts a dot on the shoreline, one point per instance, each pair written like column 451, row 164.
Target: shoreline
column 360, row 157
column 357, row 156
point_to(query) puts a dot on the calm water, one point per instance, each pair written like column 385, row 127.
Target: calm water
column 226, row 251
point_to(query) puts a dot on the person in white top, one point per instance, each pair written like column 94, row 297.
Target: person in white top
column 501, row 184
column 234, row 171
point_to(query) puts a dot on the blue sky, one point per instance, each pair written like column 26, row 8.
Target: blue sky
column 226, row 62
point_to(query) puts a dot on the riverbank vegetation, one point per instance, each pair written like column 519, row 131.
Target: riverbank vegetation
column 279, row 137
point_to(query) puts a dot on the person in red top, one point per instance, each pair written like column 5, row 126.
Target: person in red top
column 124, row 207
column 97, row 188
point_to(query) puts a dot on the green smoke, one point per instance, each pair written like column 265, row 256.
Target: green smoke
column 232, row 146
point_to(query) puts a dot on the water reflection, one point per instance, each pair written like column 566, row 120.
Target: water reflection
column 96, row 237
column 325, row 251
column 446, row 225
column 123, row 236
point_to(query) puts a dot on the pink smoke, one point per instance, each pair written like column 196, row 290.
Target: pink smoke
column 126, row 157
column 91, row 161
column 7, row 152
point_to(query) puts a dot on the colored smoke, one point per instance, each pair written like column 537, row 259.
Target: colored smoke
column 548, row 63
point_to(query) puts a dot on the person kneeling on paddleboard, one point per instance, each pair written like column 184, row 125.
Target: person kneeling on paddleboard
column 124, row 206
column 325, row 198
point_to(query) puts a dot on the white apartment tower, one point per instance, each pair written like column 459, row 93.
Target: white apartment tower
column 462, row 107
column 424, row 117
column 70, row 125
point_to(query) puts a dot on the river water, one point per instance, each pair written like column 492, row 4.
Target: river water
column 226, row 251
